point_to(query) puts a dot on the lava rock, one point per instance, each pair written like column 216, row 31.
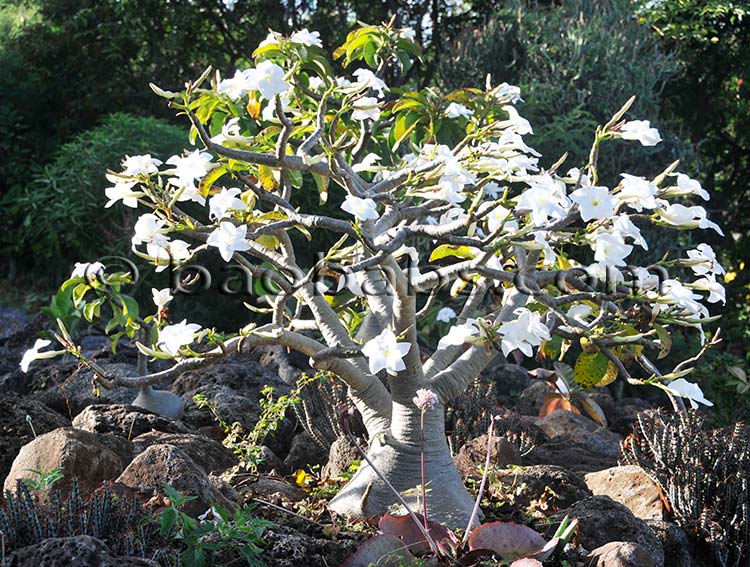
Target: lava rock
column 287, row 547
column 16, row 431
column 541, row 489
column 678, row 549
column 210, row 455
column 78, row 453
column 78, row 551
column 473, row 454
column 341, row 455
column 275, row 490
column 601, row 520
column 165, row 464
column 531, row 399
column 126, row 421
column 630, row 486
column 621, row 554
column 71, row 393
column 304, row 452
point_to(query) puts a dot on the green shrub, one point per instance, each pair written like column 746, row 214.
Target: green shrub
column 52, row 217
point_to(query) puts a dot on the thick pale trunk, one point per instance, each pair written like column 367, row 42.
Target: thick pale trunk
column 397, row 456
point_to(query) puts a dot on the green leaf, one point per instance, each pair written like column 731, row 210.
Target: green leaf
column 322, row 182
column 210, row 178
column 129, row 307
column 594, row 369
column 448, row 250
column 665, row 339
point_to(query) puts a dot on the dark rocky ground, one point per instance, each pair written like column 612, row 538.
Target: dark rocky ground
column 567, row 464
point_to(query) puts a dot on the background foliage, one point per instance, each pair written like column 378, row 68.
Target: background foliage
column 68, row 65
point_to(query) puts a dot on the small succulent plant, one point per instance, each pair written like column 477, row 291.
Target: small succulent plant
column 703, row 475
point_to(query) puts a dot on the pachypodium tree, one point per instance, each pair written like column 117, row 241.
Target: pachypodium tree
column 436, row 205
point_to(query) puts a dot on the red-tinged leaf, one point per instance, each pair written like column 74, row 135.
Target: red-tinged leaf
column 508, row 540
column 547, row 550
column 381, row 550
column 404, row 528
column 556, row 402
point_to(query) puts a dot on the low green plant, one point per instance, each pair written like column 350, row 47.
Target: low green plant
column 43, row 481
column 221, row 539
column 246, row 445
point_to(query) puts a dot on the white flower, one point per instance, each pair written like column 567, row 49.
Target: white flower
column 642, row 131
column 496, row 218
column 579, row 178
column 362, row 209
column 511, row 92
column 610, row 250
column 122, row 190
column 579, row 312
column 366, row 108
column 173, row 337
column 189, row 169
column 624, row 227
column 456, row 110
column 492, row 190
column 315, row 83
column 229, row 130
column 385, row 352
column 519, row 124
column 642, row 279
column 161, row 297
column 271, row 39
column 306, row 37
column 268, row 78
column 33, row 354
column 593, row 202
column 702, row 260
column 637, row 192
column 230, row 4
column 688, row 186
column 543, row 201
column 140, row 165
column 523, row 333
column 605, row 273
column 149, row 229
column 269, row 110
column 685, row 389
column 237, row 86
column 459, row 334
column 708, row 283
column 368, row 163
column 673, row 292
column 168, row 252
column 349, row 280
column 687, row 217
column 446, row 314
column 426, row 400
column 407, row 33
column 224, row 201
column 228, row 239
column 451, row 184
column 83, row 270
column 366, row 78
